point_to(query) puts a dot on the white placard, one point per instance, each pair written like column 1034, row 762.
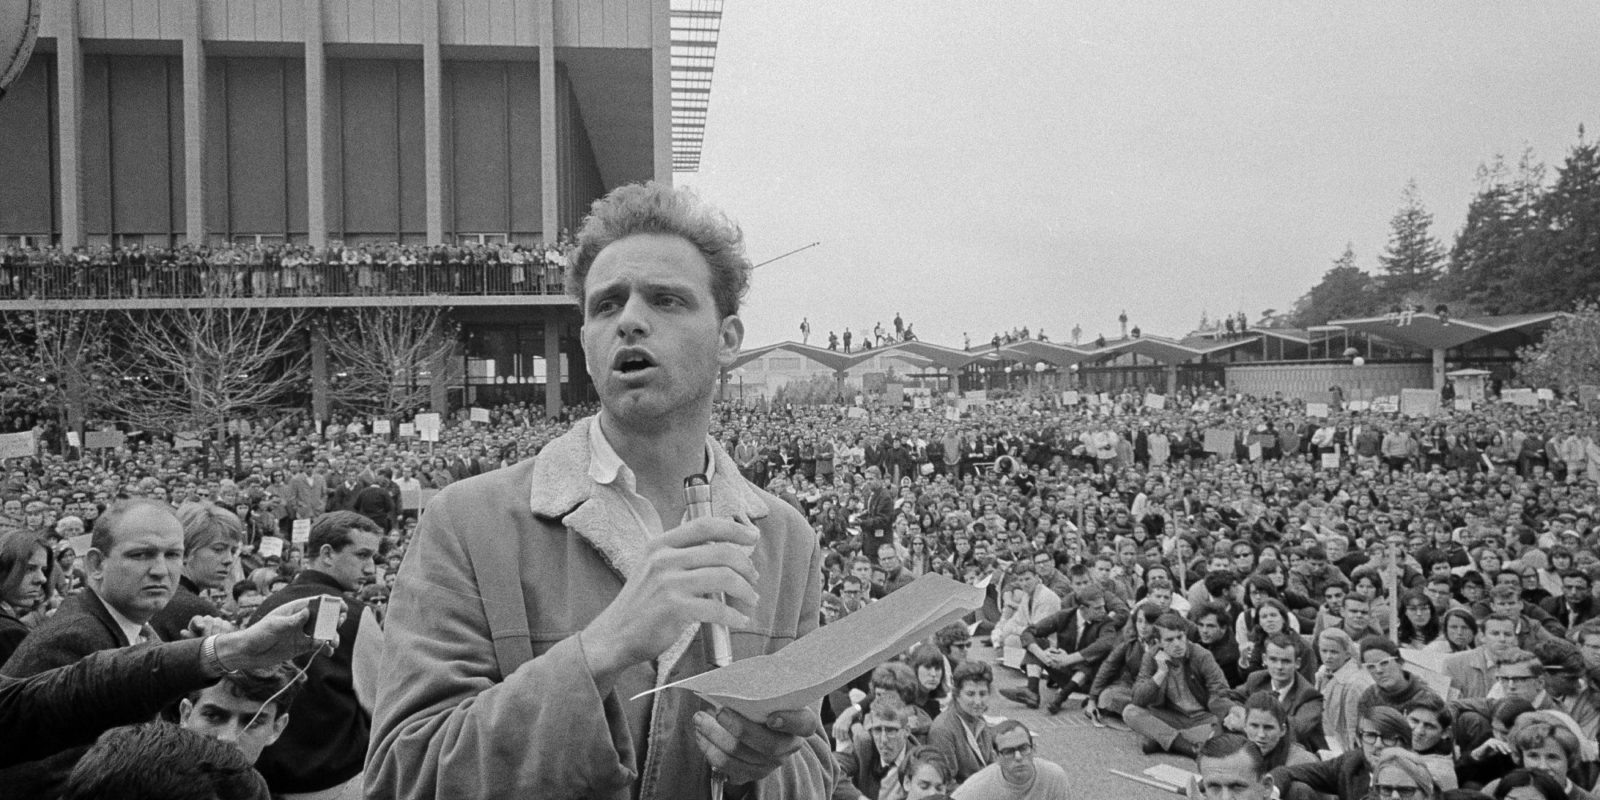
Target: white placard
column 271, row 547
column 73, row 440
column 952, row 413
column 1255, row 451
column 856, row 413
column 1463, row 404
column 407, row 430
column 427, row 422
column 1419, row 402
column 1155, row 401
column 430, row 434
column 301, row 533
column 1318, row 410
column 478, row 415
column 18, row 445
column 1546, row 395
column 1070, row 398
column 1330, row 460
column 382, row 427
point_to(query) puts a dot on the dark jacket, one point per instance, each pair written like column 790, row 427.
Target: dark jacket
column 1094, row 642
column 12, row 631
column 81, row 626
column 860, row 772
column 949, row 736
column 1121, row 668
column 1197, row 668
column 1347, row 777
column 325, row 742
column 1376, row 696
column 1304, row 706
column 186, row 604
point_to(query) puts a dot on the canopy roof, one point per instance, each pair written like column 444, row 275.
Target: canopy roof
column 1430, row 332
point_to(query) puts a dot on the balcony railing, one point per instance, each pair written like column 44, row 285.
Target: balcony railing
column 79, row 281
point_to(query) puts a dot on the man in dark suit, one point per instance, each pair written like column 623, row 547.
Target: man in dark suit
column 877, row 515
column 1280, row 675
column 134, row 561
column 1575, row 605
column 1082, row 640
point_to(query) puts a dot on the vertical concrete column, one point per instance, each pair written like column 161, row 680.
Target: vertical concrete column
column 1172, row 379
column 316, row 104
column 1438, row 368
column 69, row 106
column 319, row 370
column 549, row 166
column 661, row 89
column 439, row 382
column 194, row 122
column 432, row 120
column 552, row 367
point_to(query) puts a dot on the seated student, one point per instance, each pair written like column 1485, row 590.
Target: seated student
column 1342, row 681
column 932, row 680
column 1027, row 602
column 159, row 759
column 1180, row 694
column 1472, row 673
column 961, row 732
column 1419, row 620
column 1232, row 766
column 247, row 709
column 892, row 684
column 1542, row 743
column 1533, row 624
column 1067, row 646
column 1460, row 632
column 1566, row 686
column 1392, row 684
column 1211, row 630
column 1113, row 681
column 926, row 775
column 1016, row 773
column 1522, row 784
column 875, row 753
column 1483, row 738
column 1432, row 735
column 1267, row 724
column 1576, row 604
column 1280, row 678
column 1349, row 776
column 1400, row 773
column 1587, row 638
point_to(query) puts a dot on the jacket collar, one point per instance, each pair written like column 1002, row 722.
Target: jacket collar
column 563, row 491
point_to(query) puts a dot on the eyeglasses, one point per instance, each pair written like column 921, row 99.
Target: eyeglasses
column 1020, row 750
column 1373, row 737
column 1393, row 790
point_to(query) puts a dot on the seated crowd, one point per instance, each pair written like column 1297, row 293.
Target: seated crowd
column 1418, row 620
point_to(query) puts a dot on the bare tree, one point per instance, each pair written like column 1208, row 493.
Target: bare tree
column 384, row 358
column 192, row 369
column 60, row 361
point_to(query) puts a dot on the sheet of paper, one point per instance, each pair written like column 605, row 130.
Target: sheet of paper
column 1166, row 773
column 830, row 656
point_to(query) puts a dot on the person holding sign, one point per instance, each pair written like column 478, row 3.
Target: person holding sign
column 537, row 602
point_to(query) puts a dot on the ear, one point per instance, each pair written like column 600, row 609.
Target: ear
column 185, row 708
column 731, row 333
column 278, row 726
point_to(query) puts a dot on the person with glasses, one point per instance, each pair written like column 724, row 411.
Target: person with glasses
column 1392, row 684
column 1017, row 773
column 1400, row 775
column 1349, row 776
column 875, row 755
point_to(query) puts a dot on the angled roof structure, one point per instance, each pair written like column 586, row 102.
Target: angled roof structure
column 696, row 25
column 1171, row 351
column 1430, row 331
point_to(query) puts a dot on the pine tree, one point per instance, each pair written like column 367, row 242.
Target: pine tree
column 1413, row 260
column 1499, row 242
column 1344, row 292
column 1570, row 213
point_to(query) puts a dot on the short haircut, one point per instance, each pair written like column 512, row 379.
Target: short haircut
column 1022, row 568
column 1537, row 728
column 1090, row 594
column 1009, row 726
column 1433, row 704
column 280, row 683
column 1286, row 641
column 1497, row 617
column 1523, row 657
column 1540, row 781
column 1228, row 745
column 1379, row 642
column 930, row 756
column 949, row 635
column 1408, row 762
column 1505, row 594
column 104, row 537
column 972, row 672
column 1369, row 573
column 162, row 760
column 897, row 678
column 1338, row 636
column 333, row 529
column 1203, row 610
column 1389, row 722
column 1218, row 581
column 1576, row 574
column 1581, row 632
column 1510, row 709
column 1172, row 621
column 656, row 207
column 205, row 524
column 883, row 713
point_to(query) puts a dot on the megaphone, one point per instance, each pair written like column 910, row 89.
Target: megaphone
column 19, row 29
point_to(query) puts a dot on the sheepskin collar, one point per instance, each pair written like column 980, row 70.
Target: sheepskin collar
column 564, row 491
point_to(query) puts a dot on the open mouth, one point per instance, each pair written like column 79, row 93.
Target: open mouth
column 632, row 361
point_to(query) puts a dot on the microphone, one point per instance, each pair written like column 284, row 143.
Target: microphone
column 697, row 498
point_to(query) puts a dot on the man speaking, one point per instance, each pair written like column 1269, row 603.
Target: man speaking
column 538, row 600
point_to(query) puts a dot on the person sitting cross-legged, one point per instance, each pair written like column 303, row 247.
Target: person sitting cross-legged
column 961, row 732
column 1180, row 695
column 1082, row 638
column 1280, row 677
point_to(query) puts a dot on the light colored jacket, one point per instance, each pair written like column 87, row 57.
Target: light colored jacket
column 450, row 725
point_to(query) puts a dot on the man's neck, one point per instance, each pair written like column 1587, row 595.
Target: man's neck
column 660, row 459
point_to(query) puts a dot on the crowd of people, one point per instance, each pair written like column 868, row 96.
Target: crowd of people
column 1131, row 573
column 282, row 270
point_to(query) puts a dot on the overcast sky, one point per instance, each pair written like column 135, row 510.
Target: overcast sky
column 979, row 165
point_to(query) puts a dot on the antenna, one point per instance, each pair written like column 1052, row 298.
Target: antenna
column 786, row 255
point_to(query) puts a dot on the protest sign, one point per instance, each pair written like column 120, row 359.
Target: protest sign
column 1520, row 397
column 270, row 547
column 105, row 440
column 382, row 427
column 1546, row 395
column 186, row 441
column 1317, row 410
column 410, row 499
column 408, row 430
column 1463, row 404
column 1330, row 460
column 1069, row 398
column 1419, row 402
column 1220, row 440
column 1155, row 402
column 1255, row 451
column 1588, row 393
column 856, row 413
column 952, row 413
column 301, row 533
column 1388, row 404
column 479, row 415
column 73, row 440
column 18, row 445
